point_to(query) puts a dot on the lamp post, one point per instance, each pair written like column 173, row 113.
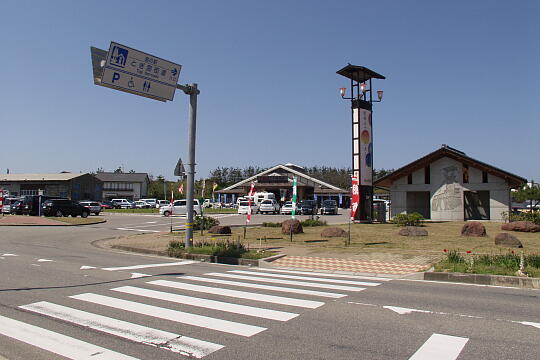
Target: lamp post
column 362, row 134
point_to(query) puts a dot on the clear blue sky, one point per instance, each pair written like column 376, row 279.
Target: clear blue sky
column 462, row 73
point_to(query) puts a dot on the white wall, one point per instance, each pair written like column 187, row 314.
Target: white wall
column 446, row 188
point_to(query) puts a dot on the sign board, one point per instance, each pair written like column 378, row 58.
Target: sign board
column 179, row 170
column 139, row 73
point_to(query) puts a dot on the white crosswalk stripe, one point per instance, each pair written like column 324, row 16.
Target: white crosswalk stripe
column 209, row 304
column 301, row 283
column 56, row 343
column 312, row 273
column 172, row 315
column 266, row 287
column 288, row 282
column 137, row 333
column 239, row 294
column 335, row 281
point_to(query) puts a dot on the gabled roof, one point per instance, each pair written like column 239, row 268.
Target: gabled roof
column 288, row 169
column 65, row 176
column 447, row 151
column 123, row 177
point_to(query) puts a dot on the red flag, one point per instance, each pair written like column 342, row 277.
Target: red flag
column 355, row 197
column 251, row 192
column 181, row 188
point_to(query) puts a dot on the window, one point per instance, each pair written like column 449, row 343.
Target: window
column 484, row 177
column 427, row 175
column 465, row 173
column 409, row 179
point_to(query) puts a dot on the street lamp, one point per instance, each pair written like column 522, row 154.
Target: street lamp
column 362, row 135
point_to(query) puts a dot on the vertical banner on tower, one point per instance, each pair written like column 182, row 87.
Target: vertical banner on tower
column 250, row 197
column 355, row 197
column 293, row 212
column 366, row 148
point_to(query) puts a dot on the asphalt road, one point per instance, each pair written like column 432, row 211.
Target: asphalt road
column 61, row 297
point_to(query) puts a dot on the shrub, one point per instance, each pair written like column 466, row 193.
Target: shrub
column 454, row 257
column 175, row 249
column 271, row 224
column 204, row 222
column 413, row 219
column 220, row 248
column 310, row 222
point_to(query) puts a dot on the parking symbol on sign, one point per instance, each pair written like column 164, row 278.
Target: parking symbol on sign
column 119, row 56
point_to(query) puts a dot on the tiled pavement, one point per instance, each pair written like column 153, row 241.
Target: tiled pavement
column 378, row 266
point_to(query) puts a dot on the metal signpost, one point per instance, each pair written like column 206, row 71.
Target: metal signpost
column 133, row 71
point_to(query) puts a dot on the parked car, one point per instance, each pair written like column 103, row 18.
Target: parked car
column 64, row 207
column 161, row 203
column 139, row 204
column 243, row 207
column 179, row 208
column 122, row 203
column 207, row 203
column 329, row 207
column 151, row 202
column 93, row 206
column 6, row 205
column 269, row 206
column 17, row 208
column 308, row 207
column 287, row 208
column 32, row 203
column 107, row 205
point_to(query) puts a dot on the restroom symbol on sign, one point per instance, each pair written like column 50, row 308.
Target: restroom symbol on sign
column 118, row 56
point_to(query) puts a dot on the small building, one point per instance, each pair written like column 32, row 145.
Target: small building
column 279, row 180
column 131, row 186
column 67, row 185
column 449, row 185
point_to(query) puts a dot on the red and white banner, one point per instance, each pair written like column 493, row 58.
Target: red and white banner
column 181, row 188
column 355, row 197
column 251, row 193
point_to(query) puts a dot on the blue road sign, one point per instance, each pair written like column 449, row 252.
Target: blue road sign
column 140, row 73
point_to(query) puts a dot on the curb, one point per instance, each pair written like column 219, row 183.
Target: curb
column 483, row 279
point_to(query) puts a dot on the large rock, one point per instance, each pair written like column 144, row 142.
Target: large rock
column 507, row 240
column 473, row 228
column 218, row 229
column 334, row 232
column 291, row 225
column 412, row 231
column 523, row 226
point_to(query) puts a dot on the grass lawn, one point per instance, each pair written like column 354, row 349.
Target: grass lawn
column 384, row 238
column 134, row 211
column 78, row 220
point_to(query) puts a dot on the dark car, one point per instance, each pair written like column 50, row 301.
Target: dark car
column 32, row 203
column 64, row 207
column 329, row 207
column 308, row 207
column 17, row 208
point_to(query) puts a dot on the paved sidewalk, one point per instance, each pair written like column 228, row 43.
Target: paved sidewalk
column 21, row 220
column 374, row 265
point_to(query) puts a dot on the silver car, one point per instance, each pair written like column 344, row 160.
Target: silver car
column 93, row 206
column 269, row 206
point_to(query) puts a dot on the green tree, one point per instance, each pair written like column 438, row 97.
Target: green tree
column 530, row 193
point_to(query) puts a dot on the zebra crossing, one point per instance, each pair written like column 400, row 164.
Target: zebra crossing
column 273, row 295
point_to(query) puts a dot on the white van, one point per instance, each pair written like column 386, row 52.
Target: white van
column 151, row 202
column 179, row 208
